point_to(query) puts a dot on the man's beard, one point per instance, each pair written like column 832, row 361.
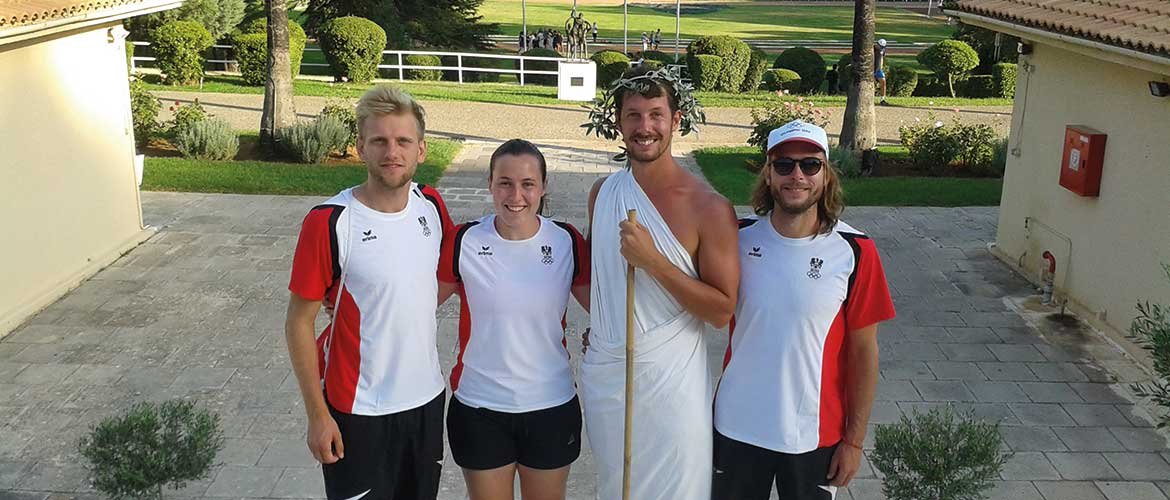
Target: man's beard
column 663, row 143
column 814, row 197
column 391, row 182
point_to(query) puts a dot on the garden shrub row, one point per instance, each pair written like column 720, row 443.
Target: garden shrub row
column 251, row 45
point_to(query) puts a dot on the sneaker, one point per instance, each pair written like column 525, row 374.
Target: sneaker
column 883, row 103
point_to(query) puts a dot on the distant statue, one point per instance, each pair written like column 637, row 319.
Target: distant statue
column 576, row 30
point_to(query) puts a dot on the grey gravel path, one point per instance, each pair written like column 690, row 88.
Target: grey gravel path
column 538, row 122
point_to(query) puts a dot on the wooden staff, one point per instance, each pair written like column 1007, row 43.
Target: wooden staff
column 632, row 216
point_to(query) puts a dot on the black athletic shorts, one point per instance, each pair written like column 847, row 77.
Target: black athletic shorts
column 483, row 439
column 747, row 472
column 397, row 456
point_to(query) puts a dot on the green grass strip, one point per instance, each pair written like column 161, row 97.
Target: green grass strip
column 261, row 177
column 723, row 167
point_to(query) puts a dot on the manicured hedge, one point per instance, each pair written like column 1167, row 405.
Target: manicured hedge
column 610, row 66
column 179, row 47
column 735, row 56
column 540, row 66
column 705, row 70
column 782, row 79
column 901, row 81
column 805, row 62
column 757, row 65
column 429, row 75
column 1004, row 75
column 353, row 47
column 251, row 46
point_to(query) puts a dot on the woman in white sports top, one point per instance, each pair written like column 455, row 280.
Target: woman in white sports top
column 514, row 407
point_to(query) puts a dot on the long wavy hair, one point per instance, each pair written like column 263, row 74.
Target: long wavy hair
column 829, row 207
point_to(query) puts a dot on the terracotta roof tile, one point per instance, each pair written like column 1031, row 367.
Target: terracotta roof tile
column 22, row 12
column 1141, row 25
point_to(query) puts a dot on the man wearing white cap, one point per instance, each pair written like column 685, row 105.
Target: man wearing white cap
column 879, row 63
column 801, row 367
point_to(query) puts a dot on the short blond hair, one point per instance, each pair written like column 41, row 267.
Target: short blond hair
column 385, row 99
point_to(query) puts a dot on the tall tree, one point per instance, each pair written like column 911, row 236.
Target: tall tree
column 857, row 128
column 279, row 108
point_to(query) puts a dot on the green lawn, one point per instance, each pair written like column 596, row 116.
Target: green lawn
column 723, row 167
column 531, row 94
column 259, row 177
column 740, row 19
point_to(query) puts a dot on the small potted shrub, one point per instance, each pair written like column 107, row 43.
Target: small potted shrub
column 151, row 446
column 938, row 455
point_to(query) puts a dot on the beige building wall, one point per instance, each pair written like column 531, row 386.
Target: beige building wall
column 69, row 200
column 1109, row 249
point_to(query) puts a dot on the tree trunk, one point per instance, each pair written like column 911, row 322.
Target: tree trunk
column 857, row 129
column 279, row 109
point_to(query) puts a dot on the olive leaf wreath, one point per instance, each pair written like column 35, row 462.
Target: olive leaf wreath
column 602, row 112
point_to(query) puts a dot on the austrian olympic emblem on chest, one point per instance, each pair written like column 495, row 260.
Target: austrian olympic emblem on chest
column 814, row 270
column 546, row 250
column 426, row 230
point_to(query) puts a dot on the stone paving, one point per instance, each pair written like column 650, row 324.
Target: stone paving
column 197, row 311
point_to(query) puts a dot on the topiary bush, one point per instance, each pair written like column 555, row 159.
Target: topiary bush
column 346, row 115
column 704, row 71
column 610, row 66
column 353, row 47
column 311, row 142
column 805, row 62
column 976, row 86
column 152, row 446
column 901, row 81
column 782, row 79
column 251, row 46
column 657, row 55
column 540, row 66
column 930, row 86
column 938, row 147
column 426, row 75
column 736, row 56
column 651, row 64
column 949, row 59
column 211, row 139
column 179, row 47
column 757, row 65
column 1004, row 75
column 939, row 455
column 144, row 108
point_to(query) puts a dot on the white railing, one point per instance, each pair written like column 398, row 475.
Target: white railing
column 400, row 57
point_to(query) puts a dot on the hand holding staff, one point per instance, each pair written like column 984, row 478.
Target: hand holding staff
column 631, row 216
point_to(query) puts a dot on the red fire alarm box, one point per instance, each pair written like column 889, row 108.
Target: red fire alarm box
column 1084, row 154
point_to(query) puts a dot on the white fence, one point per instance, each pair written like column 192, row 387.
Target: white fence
column 400, row 56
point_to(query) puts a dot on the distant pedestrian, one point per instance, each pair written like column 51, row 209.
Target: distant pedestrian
column 595, row 32
column 522, row 43
column 645, row 42
column 557, row 39
column 879, row 69
column 657, row 38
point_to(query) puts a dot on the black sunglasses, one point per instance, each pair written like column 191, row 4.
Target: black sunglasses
column 808, row 166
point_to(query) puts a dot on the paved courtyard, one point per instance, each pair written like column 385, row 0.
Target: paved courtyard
column 198, row 310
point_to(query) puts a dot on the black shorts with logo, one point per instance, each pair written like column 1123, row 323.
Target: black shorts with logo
column 747, row 472
column 397, row 456
column 483, row 439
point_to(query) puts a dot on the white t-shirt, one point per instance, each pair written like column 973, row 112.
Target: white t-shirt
column 378, row 355
column 512, row 354
column 783, row 385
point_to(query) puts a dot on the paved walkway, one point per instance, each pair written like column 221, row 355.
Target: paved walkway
column 561, row 124
column 197, row 311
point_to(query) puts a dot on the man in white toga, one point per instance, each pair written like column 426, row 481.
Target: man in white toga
column 684, row 247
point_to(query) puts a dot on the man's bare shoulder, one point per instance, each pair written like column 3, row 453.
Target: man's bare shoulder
column 707, row 202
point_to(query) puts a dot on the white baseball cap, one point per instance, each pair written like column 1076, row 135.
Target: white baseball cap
column 882, row 42
column 797, row 130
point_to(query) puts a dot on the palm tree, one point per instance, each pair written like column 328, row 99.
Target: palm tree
column 279, row 108
column 857, row 128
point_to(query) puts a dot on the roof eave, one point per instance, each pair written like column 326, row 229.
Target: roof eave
column 28, row 32
column 1121, row 55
